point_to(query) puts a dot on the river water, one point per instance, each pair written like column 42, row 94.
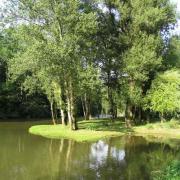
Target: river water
column 28, row 157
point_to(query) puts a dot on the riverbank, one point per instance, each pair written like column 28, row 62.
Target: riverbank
column 93, row 130
column 170, row 129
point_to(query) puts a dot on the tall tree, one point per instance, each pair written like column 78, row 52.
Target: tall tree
column 144, row 25
column 109, row 51
column 56, row 30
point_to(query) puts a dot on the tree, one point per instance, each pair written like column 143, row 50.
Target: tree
column 78, row 49
column 109, row 51
column 144, row 26
column 90, row 86
column 164, row 95
column 55, row 33
column 172, row 56
column 131, row 39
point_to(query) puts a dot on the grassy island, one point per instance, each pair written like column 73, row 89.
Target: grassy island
column 85, row 133
column 93, row 130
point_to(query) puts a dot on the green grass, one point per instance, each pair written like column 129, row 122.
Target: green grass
column 93, row 130
column 59, row 131
column 170, row 129
column 171, row 172
column 104, row 125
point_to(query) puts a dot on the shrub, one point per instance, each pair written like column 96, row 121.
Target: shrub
column 171, row 172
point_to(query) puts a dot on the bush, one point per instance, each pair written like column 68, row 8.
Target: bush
column 171, row 172
column 164, row 95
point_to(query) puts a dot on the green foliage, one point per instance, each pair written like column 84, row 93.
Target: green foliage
column 171, row 172
column 164, row 95
column 172, row 58
column 14, row 103
column 76, row 52
column 60, row 131
column 143, row 45
column 142, row 57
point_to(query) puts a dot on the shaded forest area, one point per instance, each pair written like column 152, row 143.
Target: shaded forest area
column 78, row 58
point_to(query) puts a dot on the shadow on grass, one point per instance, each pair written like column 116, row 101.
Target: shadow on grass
column 104, row 125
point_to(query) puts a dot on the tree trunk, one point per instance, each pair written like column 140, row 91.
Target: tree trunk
column 72, row 109
column 147, row 116
column 52, row 113
column 63, row 117
column 114, row 111
column 113, row 107
column 83, row 106
column 69, row 109
column 128, row 115
column 62, row 110
column 73, row 120
column 87, row 106
column 140, row 114
column 137, row 115
column 162, row 117
column 55, row 111
column 70, row 106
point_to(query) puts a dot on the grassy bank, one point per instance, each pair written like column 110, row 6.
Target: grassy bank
column 59, row 131
column 93, row 130
column 164, row 130
column 171, row 172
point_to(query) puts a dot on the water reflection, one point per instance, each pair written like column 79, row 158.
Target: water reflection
column 101, row 151
column 28, row 157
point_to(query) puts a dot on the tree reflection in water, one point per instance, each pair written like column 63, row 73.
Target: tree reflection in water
column 101, row 151
column 28, row 157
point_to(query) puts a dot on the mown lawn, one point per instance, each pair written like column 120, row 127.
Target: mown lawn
column 93, row 130
column 85, row 132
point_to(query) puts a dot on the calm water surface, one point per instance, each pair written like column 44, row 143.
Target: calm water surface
column 28, row 157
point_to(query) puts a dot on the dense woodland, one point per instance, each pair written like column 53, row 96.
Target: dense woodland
column 67, row 59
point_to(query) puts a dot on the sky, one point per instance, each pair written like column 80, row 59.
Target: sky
column 2, row 2
column 177, row 2
column 177, row 28
column 174, row 1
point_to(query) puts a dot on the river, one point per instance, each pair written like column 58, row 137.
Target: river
column 28, row 157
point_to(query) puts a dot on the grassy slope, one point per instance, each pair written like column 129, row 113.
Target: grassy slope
column 169, row 129
column 98, row 129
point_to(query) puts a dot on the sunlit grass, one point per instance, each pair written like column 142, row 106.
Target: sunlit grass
column 170, row 129
column 60, row 131
column 104, row 125
column 93, row 130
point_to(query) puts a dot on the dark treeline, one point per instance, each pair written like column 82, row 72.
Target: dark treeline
column 72, row 58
